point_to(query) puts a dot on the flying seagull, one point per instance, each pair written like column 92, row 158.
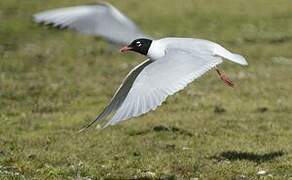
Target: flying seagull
column 101, row 19
column 172, row 64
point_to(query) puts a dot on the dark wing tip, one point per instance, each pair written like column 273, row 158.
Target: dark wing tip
column 82, row 130
column 88, row 125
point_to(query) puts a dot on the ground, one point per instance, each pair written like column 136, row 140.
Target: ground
column 53, row 82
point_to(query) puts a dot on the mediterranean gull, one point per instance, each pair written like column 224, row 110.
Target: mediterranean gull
column 172, row 64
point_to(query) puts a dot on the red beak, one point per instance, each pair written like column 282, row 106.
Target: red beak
column 125, row 49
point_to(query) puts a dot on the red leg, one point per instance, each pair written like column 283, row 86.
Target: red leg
column 225, row 78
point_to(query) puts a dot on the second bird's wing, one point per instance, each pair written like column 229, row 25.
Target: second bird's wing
column 101, row 19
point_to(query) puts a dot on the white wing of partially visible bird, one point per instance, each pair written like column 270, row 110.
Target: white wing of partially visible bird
column 102, row 20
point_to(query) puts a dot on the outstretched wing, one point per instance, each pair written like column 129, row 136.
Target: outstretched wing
column 101, row 19
column 160, row 79
column 121, row 93
column 150, row 83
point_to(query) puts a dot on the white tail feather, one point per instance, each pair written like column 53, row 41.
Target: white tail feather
column 240, row 59
column 236, row 58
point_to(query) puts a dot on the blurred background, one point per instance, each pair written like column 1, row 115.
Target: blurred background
column 52, row 82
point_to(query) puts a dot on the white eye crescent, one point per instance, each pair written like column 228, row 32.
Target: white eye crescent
column 138, row 43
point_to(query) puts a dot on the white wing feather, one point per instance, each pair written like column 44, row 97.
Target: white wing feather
column 100, row 20
column 160, row 79
column 120, row 94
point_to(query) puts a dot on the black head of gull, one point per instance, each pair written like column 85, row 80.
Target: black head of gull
column 141, row 46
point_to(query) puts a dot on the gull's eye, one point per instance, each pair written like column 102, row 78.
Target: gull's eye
column 138, row 44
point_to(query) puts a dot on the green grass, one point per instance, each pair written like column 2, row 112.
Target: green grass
column 54, row 82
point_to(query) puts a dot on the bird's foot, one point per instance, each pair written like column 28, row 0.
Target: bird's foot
column 225, row 78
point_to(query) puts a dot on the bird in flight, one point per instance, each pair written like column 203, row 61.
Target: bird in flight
column 172, row 64
column 101, row 19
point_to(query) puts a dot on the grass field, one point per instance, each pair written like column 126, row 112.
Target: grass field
column 53, row 82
